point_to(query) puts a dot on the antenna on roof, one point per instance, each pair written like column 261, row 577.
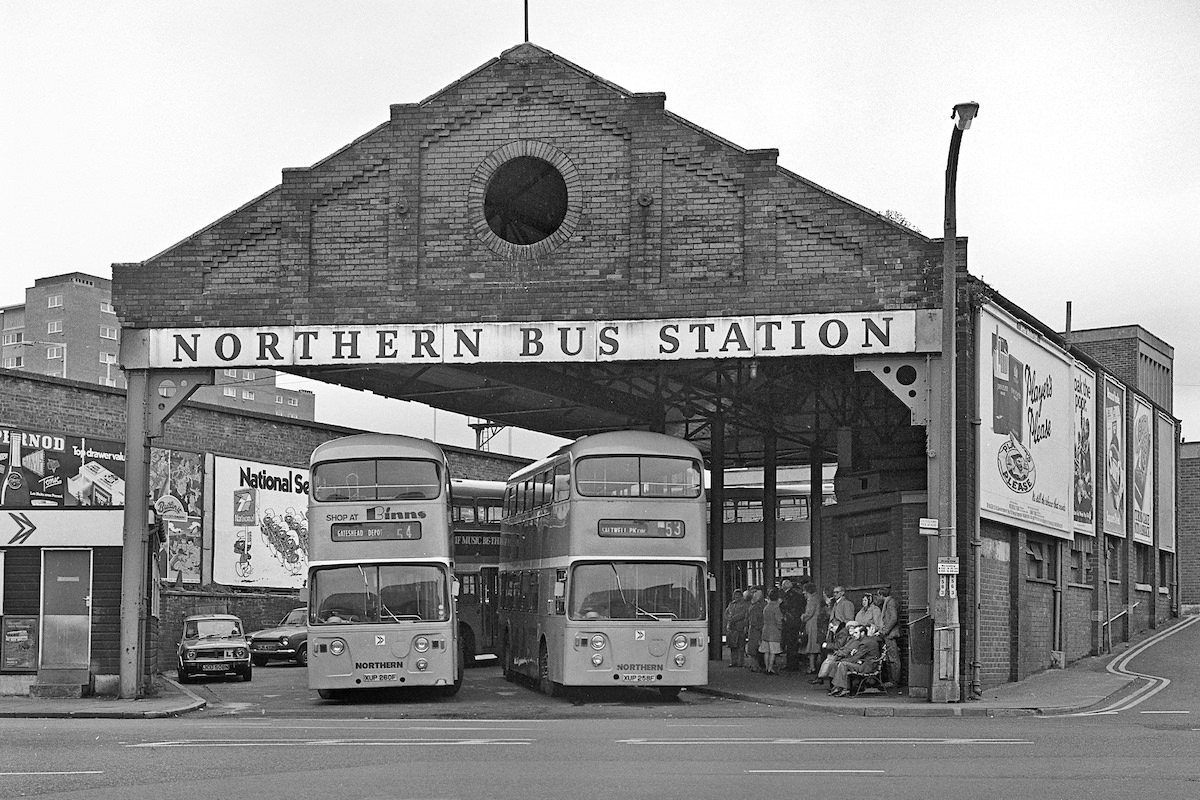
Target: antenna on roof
column 526, row 21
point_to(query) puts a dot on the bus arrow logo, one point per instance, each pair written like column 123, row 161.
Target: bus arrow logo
column 639, row 636
column 25, row 528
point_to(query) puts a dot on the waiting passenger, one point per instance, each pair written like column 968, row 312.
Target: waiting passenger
column 859, row 656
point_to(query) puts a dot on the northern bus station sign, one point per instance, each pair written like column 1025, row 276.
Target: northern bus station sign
column 873, row 333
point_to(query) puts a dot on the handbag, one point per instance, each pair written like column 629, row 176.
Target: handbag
column 827, row 666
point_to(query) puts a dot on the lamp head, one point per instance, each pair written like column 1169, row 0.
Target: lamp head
column 963, row 114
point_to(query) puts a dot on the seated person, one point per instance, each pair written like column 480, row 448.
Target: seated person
column 859, row 655
column 836, row 635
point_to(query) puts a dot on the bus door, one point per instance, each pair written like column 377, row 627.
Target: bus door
column 489, row 608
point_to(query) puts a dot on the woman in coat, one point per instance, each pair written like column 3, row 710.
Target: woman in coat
column 811, row 620
column 772, row 632
column 736, row 617
column 754, row 627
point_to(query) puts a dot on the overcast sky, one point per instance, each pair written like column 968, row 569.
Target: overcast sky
column 127, row 126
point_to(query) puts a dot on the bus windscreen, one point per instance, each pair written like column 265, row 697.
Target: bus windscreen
column 637, row 590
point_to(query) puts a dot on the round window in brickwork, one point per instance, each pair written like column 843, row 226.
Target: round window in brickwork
column 525, row 197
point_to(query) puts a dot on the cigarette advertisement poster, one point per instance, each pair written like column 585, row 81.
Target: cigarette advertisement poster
column 1114, row 458
column 1168, row 437
column 1027, row 447
column 1143, row 471
column 1084, row 416
column 46, row 469
column 260, row 524
column 176, row 487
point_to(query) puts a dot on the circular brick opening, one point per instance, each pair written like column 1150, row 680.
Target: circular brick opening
column 525, row 200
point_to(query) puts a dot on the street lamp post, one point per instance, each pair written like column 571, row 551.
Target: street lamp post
column 63, row 345
column 946, row 641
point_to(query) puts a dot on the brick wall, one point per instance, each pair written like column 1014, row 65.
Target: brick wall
column 997, row 610
column 1187, row 521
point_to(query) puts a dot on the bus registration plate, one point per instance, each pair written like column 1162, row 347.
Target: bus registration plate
column 638, row 678
column 379, row 678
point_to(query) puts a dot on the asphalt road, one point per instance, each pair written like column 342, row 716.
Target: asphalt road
column 274, row 738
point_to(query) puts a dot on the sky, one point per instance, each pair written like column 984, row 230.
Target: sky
column 128, row 126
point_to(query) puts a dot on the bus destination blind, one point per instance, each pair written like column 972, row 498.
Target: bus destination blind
column 397, row 530
column 642, row 528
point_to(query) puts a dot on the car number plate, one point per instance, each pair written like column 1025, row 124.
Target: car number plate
column 638, row 678
column 215, row 667
column 381, row 678
column 265, row 645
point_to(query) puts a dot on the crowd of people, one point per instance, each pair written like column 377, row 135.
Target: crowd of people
column 798, row 629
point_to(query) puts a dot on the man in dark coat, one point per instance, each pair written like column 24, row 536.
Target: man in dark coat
column 859, row 655
column 792, row 603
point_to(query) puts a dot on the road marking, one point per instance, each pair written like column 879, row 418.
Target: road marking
column 822, row 740
column 1154, row 683
column 326, row 742
column 815, row 771
column 70, row 772
column 1164, row 712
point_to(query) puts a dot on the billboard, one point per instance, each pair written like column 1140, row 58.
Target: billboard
column 1168, row 438
column 1026, row 447
column 1084, row 417
column 1142, row 480
column 260, row 524
column 45, row 469
column 1115, row 483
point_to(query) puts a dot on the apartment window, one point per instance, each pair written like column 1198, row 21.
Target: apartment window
column 54, row 301
column 293, row 401
column 13, row 338
column 14, row 363
column 107, row 332
column 1040, row 561
column 106, row 308
column 229, row 391
column 279, row 399
column 54, row 352
column 292, row 416
column 231, row 373
column 108, row 381
column 248, row 375
column 108, row 358
column 54, row 326
column 247, row 395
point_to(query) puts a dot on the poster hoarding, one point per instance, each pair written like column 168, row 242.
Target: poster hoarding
column 1027, row 452
column 1115, row 483
column 1084, row 416
column 1168, row 436
column 260, row 524
column 45, row 469
column 1142, row 480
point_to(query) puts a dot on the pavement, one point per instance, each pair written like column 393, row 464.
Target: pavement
column 1080, row 686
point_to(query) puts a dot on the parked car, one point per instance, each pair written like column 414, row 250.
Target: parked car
column 287, row 641
column 213, row 645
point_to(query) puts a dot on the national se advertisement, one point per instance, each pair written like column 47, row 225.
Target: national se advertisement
column 1028, row 441
column 260, row 524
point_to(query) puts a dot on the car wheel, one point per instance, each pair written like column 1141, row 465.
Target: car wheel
column 248, row 674
column 302, row 656
column 182, row 676
column 260, row 661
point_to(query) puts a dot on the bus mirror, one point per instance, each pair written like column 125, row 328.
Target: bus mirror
column 455, row 587
column 560, row 590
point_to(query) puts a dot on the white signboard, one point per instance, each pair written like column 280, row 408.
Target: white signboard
column 62, row 527
column 1168, row 437
column 260, row 524
column 1026, row 447
column 498, row 342
column 1141, row 441
column 1084, row 417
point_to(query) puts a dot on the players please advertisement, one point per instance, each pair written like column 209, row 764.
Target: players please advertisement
column 1029, row 438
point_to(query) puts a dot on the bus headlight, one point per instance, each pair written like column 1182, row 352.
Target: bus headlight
column 597, row 642
column 422, row 665
column 680, row 659
column 679, row 642
column 597, row 659
column 337, row 647
column 421, row 644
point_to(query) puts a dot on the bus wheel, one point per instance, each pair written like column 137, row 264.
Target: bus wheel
column 452, row 689
column 329, row 694
column 468, row 646
column 545, row 685
column 669, row 692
